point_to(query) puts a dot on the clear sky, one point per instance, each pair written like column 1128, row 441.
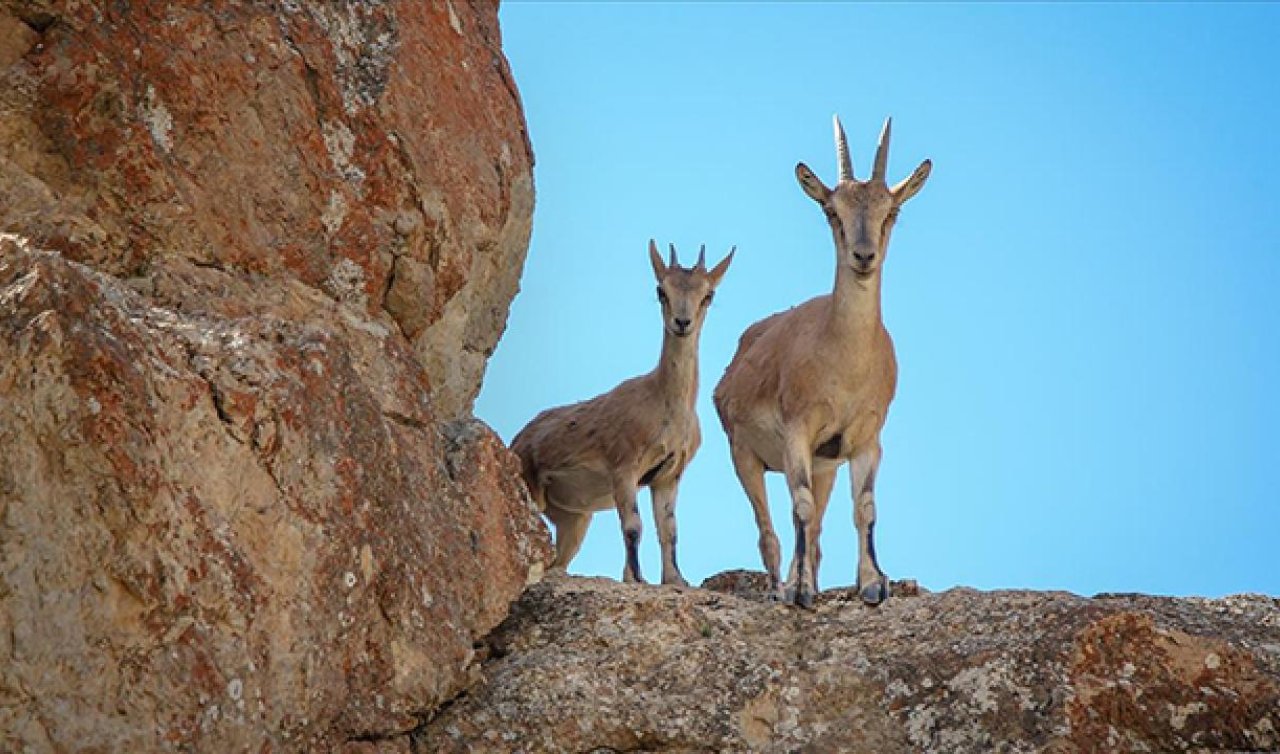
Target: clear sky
column 1085, row 298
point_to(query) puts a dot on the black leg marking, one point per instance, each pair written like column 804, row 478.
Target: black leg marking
column 671, row 517
column 830, row 448
column 652, row 473
column 803, row 597
column 871, row 546
column 801, row 548
column 633, row 552
column 874, row 594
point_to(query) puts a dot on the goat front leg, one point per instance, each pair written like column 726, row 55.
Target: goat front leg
column 664, row 517
column 750, row 471
column 873, row 587
column 624, row 497
column 801, row 585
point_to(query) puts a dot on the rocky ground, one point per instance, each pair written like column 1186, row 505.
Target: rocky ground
column 593, row 665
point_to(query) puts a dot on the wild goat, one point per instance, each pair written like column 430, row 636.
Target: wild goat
column 809, row 388
column 596, row 454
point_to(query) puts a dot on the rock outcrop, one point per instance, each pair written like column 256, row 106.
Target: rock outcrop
column 254, row 258
column 590, row 665
column 375, row 151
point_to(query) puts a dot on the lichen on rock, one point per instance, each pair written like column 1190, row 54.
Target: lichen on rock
column 243, row 502
column 589, row 664
column 288, row 143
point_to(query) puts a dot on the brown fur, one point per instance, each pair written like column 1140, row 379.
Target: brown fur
column 594, row 455
column 809, row 388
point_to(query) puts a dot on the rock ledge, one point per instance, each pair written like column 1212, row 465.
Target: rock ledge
column 592, row 665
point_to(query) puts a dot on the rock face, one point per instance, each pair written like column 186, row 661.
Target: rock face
column 592, row 665
column 254, row 258
column 374, row 151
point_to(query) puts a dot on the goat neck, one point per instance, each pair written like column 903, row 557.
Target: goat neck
column 855, row 305
column 677, row 373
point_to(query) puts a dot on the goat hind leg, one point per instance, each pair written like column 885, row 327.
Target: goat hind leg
column 750, row 471
column 823, row 481
column 571, row 528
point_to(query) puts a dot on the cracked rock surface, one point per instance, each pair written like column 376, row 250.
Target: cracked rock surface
column 591, row 665
column 252, row 259
column 374, row 151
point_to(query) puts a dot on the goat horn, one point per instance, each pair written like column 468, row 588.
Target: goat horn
column 878, row 173
column 673, row 262
column 701, row 266
column 842, row 151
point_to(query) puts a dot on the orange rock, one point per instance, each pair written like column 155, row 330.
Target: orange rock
column 243, row 504
column 375, row 152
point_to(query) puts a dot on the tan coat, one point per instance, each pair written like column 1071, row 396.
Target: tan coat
column 809, row 388
column 595, row 455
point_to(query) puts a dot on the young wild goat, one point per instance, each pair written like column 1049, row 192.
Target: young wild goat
column 595, row 455
column 809, row 388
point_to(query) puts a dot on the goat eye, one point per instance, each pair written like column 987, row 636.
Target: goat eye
column 706, row 300
column 662, row 295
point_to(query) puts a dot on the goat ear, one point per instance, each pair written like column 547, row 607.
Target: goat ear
column 912, row 183
column 812, row 186
column 718, row 271
column 655, row 259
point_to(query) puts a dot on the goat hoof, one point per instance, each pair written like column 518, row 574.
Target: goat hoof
column 875, row 592
column 800, row 596
column 676, row 581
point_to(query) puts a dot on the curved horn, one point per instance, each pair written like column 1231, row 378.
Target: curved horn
column 673, row 262
column 878, row 173
column 842, row 151
column 701, row 266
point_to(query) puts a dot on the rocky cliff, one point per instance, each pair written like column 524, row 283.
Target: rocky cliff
column 590, row 665
column 255, row 255
column 220, row 155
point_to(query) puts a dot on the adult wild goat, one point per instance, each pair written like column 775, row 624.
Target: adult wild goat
column 809, row 388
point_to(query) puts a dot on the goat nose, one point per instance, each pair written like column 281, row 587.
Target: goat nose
column 864, row 258
column 683, row 324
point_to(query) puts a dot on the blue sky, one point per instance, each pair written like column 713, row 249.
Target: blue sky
column 1085, row 298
